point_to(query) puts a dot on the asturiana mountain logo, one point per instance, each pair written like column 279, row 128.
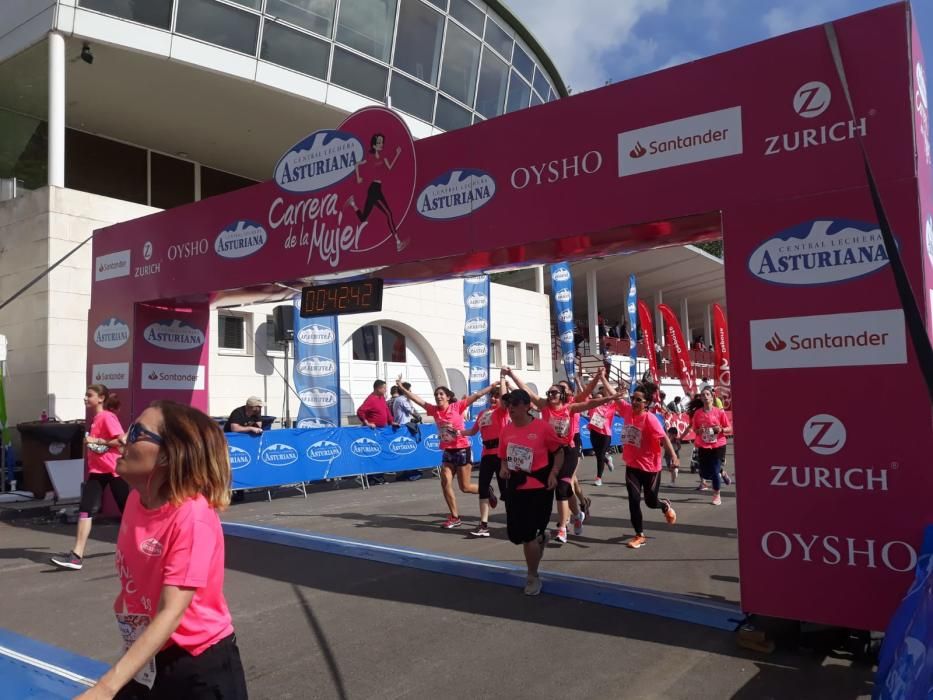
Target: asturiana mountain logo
column 475, row 325
column 477, row 301
column 478, row 374
column 318, row 398
column 316, row 366
column 239, row 457
column 324, row 451
column 456, row 193
column 111, row 334
column 561, row 274
column 316, row 334
column 279, row 455
column 432, row 442
column 403, row 445
column 566, row 337
column 240, row 239
column 563, row 295
column 365, row 447
column 565, row 316
column 478, row 350
column 318, row 161
column 173, row 335
column 315, row 423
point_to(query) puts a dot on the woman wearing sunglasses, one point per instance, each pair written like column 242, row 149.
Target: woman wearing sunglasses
column 710, row 427
column 561, row 412
column 103, row 447
column 178, row 635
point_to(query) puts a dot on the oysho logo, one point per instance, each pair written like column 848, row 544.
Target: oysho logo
column 693, row 139
column 809, row 102
column 365, row 447
column 279, row 455
column 812, row 99
column 561, row 275
column 240, row 239
column 173, row 335
column 403, row 445
column 475, row 325
column 477, row 301
column 556, row 170
column 111, row 334
column 188, row 249
column 563, row 295
column 478, row 350
column 318, row 398
column 864, row 338
column 316, row 366
column 824, row 434
column 456, row 193
column 324, row 451
column 112, row 265
column 239, row 457
column 316, row 334
column 319, row 161
column 820, row 252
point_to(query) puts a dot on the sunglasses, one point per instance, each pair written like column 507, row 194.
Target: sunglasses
column 553, row 392
column 137, row 433
column 638, row 401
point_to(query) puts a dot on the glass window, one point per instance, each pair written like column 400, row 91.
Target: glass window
column 218, row 24
column 498, row 39
column 393, row 346
column 171, row 181
column 531, row 356
column 552, row 95
column 155, row 13
column 24, row 147
column 367, row 25
column 461, row 60
column 214, row 182
column 513, row 353
column 536, row 99
column 109, row 168
column 418, row 41
column 523, row 63
column 412, row 97
column 469, row 14
column 495, row 353
column 316, row 15
column 439, row 3
column 358, row 74
column 519, row 93
column 493, row 82
column 364, row 344
column 231, row 332
column 450, row 115
column 294, row 50
column 251, row 4
column 540, row 84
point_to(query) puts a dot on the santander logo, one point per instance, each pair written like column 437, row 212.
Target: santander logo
column 638, row 151
column 776, row 344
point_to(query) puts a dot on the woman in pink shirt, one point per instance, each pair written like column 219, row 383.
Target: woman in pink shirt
column 171, row 610
column 710, row 427
column 103, row 447
column 448, row 416
column 600, row 426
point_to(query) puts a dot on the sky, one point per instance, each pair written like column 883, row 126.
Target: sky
column 595, row 41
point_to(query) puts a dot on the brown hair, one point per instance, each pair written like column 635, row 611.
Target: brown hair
column 111, row 400
column 451, row 396
column 195, row 450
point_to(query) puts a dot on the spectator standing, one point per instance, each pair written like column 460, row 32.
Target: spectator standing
column 247, row 418
column 374, row 411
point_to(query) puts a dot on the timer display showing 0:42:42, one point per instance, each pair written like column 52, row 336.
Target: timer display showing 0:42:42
column 342, row 298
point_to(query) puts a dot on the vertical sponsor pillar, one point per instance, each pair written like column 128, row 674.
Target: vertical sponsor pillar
column 562, row 293
column 476, row 303
column 316, row 371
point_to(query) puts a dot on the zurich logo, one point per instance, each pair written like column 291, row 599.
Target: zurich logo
column 316, row 334
column 111, row 334
column 560, row 275
column 478, row 374
column 478, row 350
column 475, row 325
column 820, row 252
column 324, row 451
column 316, row 366
column 365, row 447
column 173, row 335
column 433, row 443
column 565, row 316
column 279, row 455
column 456, row 193
column 403, row 445
column 566, row 337
column 319, row 161
column 477, row 301
column 563, row 295
column 318, row 398
column 314, row 423
column 239, row 457
column 240, row 239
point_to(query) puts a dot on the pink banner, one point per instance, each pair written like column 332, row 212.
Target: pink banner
column 647, row 327
column 721, row 348
column 680, row 354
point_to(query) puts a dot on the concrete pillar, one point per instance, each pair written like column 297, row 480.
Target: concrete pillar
column 56, row 162
column 592, row 307
column 708, row 327
column 539, row 279
column 685, row 322
column 659, row 319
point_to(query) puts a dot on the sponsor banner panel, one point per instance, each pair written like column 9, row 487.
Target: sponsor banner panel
column 476, row 303
column 647, row 325
column 921, row 106
column 562, row 294
column 316, row 371
column 113, row 375
column 680, row 354
column 632, row 308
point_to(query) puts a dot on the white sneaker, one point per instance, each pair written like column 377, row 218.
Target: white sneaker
column 533, row 585
column 609, row 463
column 717, row 501
column 578, row 523
column 598, row 482
column 561, row 535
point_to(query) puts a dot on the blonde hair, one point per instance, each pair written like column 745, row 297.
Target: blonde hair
column 194, row 448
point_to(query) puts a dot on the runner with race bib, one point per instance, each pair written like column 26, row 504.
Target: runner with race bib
column 710, row 426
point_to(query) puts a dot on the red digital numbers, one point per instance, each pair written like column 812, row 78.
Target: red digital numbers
column 342, row 298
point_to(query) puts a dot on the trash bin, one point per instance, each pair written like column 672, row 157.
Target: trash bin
column 45, row 441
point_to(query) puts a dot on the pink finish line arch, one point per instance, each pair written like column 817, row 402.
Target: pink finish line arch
column 757, row 146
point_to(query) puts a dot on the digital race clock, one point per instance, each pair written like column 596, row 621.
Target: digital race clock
column 340, row 298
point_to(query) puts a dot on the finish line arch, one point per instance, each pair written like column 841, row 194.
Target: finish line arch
column 757, row 146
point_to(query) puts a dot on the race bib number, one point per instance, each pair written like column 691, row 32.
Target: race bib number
column 561, row 426
column 448, row 433
column 519, row 457
column 598, row 421
column 486, row 420
column 131, row 627
column 631, row 435
column 708, row 435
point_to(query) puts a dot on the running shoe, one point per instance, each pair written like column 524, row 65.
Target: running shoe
column 561, row 535
column 671, row 515
column 401, row 245
column 481, row 531
column 493, row 501
column 598, row 482
column 451, row 523
column 533, row 585
column 717, row 501
column 726, row 479
column 702, row 487
column 674, row 472
column 68, row 561
column 612, row 467
column 578, row 523
column 636, row 542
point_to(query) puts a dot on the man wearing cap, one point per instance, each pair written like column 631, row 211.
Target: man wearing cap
column 246, row 419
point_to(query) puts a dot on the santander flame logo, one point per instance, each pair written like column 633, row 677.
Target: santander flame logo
column 638, row 151
column 776, row 344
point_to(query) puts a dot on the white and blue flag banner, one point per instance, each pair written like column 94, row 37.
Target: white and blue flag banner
column 562, row 293
column 632, row 306
column 316, row 372
column 476, row 298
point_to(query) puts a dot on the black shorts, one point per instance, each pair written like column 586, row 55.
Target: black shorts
column 456, row 457
column 527, row 514
column 92, row 492
column 215, row 673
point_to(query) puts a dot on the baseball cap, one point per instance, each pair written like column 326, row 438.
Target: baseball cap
column 254, row 401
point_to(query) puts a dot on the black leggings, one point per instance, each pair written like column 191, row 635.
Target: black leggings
column 375, row 198
column 565, row 476
column 635, row 481
column 488, row 467
column 600, row 444
column 92, row 492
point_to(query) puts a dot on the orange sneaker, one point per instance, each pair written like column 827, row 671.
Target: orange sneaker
column 670, row 515
column 636, row 542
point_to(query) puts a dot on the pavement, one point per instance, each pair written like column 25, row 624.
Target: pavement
column 317, row 625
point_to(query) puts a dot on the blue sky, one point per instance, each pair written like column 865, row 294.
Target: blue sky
column 592, row 41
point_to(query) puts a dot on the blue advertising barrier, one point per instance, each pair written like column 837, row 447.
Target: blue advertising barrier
column 278, row 457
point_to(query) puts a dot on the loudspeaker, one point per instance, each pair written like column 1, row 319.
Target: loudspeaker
column 284, row 319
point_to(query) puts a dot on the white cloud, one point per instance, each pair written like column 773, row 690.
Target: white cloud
column 580, row 41
column 799, row 15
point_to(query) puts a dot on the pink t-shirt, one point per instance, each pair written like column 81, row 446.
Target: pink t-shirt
column 527, row 449
column 703, row 423
column 491, row 422
column 601, row 418
column 105, row 425
column 562, row 420
column 641, row 438
column 178, row 546
column 449, row 420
